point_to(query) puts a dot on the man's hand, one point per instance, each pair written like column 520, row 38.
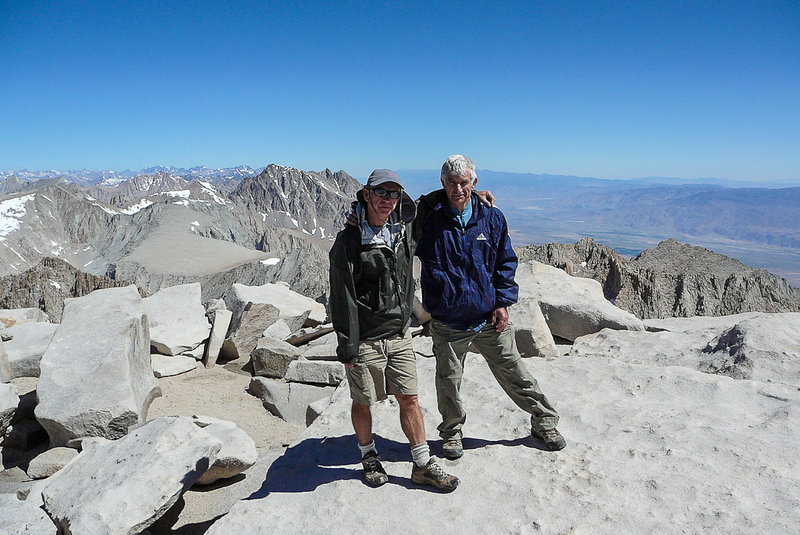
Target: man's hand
column 349, row 365
column 500, row 318
column 485, row 197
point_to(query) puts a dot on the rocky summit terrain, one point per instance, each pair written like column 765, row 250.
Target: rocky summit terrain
column 671, row 279
column 167, row 366
column 160, row 415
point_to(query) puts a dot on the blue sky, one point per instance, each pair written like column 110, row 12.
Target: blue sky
column 607, row 89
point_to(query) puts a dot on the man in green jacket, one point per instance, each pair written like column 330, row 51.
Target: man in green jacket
column 372, row 292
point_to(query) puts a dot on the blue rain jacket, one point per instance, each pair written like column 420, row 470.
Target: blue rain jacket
column 466, row 272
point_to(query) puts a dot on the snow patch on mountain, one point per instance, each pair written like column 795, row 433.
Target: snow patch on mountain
column 11, row 213
column 138, row 207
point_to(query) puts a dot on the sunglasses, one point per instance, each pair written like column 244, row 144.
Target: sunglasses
column 380, row 192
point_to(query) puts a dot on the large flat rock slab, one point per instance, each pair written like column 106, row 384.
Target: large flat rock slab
column 125, row 485
column 18, row 316
column 649, row 448
column 177, row 319
column 294, row 308
column 697, row 323
column 316, row 372
column 531, row 332
column 756, row 345
column 24, row 518
column 27, row 345
column 165, row 366
column 289, row 401
column 96, row 378
column 572, row 306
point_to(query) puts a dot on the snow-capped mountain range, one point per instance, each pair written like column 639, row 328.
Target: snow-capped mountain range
column 85, row 177
column 161, row 228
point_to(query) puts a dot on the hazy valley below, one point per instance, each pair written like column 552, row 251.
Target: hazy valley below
column 757, row 225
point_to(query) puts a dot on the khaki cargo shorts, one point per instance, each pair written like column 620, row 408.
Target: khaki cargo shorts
column 383, row 367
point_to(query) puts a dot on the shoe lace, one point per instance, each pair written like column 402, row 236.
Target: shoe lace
column 372, row 462
column 551, row 434
column 437, row 471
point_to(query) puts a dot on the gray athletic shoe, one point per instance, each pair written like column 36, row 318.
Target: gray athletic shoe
column 452, row 449
column 374, row 474
column 552, row 439
column 433, row 475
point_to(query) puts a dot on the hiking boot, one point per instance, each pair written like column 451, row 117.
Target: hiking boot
column 433, row 475
column 374, row 474
column 452, row 449
column 552, row 439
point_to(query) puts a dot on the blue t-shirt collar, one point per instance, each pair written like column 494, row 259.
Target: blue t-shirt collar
column 462, row 217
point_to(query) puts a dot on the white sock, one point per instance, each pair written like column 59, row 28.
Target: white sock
column 421, row 454
column 366, row 448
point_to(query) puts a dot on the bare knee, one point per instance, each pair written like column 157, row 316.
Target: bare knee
column 407, row 401
column 360, row 408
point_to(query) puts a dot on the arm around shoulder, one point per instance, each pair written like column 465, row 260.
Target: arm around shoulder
column 506, row 289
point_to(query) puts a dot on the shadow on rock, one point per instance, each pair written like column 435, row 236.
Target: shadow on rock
column 470, row 443
column 317, row 461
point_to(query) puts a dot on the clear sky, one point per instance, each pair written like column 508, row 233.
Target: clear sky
column 608, row 89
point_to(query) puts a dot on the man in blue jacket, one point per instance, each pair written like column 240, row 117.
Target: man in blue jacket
column 468, row 269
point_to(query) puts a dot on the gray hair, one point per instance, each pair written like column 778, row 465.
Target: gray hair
column 457, row 165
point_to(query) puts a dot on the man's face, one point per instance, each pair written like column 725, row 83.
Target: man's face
column 459, row 189
column 381, row 207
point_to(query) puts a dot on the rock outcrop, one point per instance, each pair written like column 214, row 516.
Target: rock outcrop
column 572, row 306
column 287, row 400
column 238, row 452
column 146, row 471
column 24, row 518
column 46, row 285
column 675, row 279
column 177, row 319
column 99, row 359
column 671, row 279
column 27, row 345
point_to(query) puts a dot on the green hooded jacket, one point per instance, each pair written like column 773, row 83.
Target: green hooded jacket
column 372, row 285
